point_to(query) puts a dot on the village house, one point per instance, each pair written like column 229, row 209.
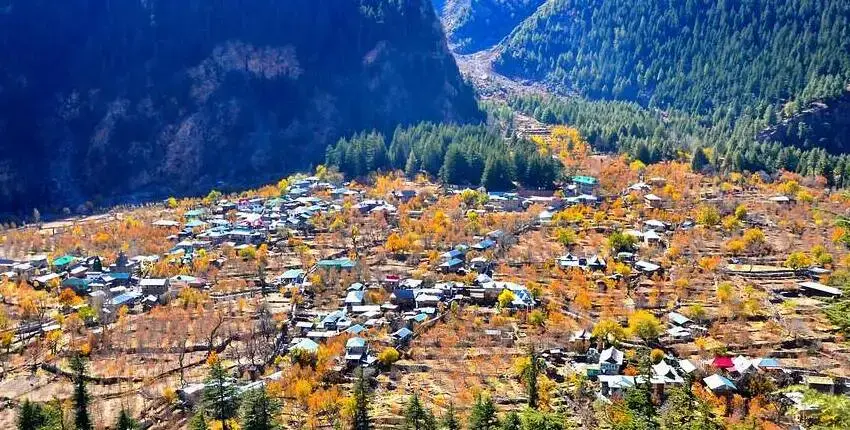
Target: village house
column 719, row 384
column 402, row 336
column 583, row 185
column 305, row 345
column 652, row 201
column 610, row 361
column 355, row 298
column 816, row 289
column 403, row 298
column 638, row 187
column 356, row 350
column 154, row 286
column 615, row 386
column 480, row 264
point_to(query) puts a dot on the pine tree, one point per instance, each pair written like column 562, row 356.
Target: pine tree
column 36, row 416
column 454, row 167
column 699, row 161
column 82, row 420
column 530, row 375
column 497, row 174
column 638, row 399
column 31, row 416
column 512, row 422
column 126, row 422
column 411, row 168
column 483, row 414
column 220, row 397
column 259, row 410
column 418, row 417
column 450, row 421
column 536, row 420
column 199, row 421
column 361, row 420
column 685, row 411
column 642, row 154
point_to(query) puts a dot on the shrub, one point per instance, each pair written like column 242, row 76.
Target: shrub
column 389, row 356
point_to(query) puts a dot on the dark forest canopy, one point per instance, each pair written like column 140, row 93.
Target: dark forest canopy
column 461, row 155
column 694, row 55
column 146, row 98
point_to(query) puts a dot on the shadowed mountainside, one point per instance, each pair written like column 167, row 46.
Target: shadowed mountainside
column 135, row 98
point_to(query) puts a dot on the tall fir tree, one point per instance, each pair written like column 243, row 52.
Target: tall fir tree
column 199, row 421
column 259, row 411
column 82, row 419
column 450, row 421
column 699, row 160
column 454, row 167
column 497, row 174
column 411, row 168
column 418, row 417
column 31, row 416
column 360, row 419
column 511, row 422
column 530, row 374
column 220, row 397
column 483, row 414
column 126, row 421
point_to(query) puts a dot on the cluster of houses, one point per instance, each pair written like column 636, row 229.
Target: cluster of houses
column 411, row 304
column 720, row 375
column 111, row 286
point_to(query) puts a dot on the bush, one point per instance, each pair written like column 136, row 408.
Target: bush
column 621, row 242
column 656, row 355
column 537, row 318
column 566, row 236
column 741, row 212
column 798, row 260
column 389, row 356
column 248, row 253
column 708, row 216
column 169, row 395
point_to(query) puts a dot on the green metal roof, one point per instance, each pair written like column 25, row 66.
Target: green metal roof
column 585, row 180
column 343, row 263
column 63, row 260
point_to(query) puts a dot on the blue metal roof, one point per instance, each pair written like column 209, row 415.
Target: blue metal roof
column 403, row 333
column 453, row 262
column 355, row 342
column 123, row 299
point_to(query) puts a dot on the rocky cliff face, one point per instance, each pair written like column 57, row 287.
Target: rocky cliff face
column 142, row 98
column 823, row 124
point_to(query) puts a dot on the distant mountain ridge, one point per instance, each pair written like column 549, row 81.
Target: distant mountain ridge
column 696, row 56
column 473, row 25
column 101, row 98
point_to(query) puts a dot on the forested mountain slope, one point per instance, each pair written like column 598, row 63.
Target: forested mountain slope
column 823, row 124
column 695, row 55
column 101, row 98
column 473, row 25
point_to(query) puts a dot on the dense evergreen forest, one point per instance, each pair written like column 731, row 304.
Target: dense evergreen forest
column 103, row 98
column 473, row 25
column 653, row 136
column 694, row 55
column 463, row 155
